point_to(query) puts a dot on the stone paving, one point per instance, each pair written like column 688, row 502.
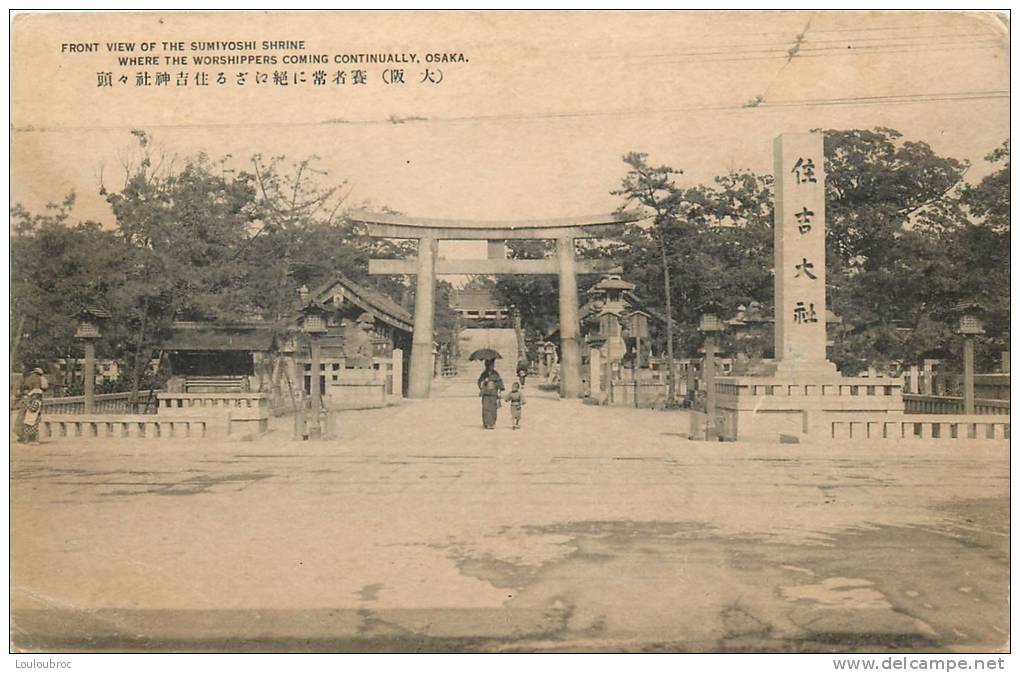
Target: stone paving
column 591, row 529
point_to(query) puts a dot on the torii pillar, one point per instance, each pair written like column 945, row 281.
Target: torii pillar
column 420, row 375
column 429, row 232
column 570, row 349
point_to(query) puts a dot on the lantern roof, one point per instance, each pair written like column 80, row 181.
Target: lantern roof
column 95, row 311
column 314, row 308
column 968, row 306
column 614, row 282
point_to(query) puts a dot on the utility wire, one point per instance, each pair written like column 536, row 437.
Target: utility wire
column 791, row 53
column 854, row 101
column 782, row 51
column 835, row 51
column 780, row 45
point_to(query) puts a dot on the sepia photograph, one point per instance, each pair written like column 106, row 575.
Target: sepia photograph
column 510, row 332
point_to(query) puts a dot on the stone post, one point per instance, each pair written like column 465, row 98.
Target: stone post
column 397, row 371
column 913, row 389
column 926, row 376
column 315, row 388
column 495, row 249
column 968, row 375
column 595, row 372
column 570, row 360
column 424, row 314
column 90, row 376
column 711, row 431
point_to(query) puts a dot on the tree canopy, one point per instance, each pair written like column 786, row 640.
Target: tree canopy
column 190, row 240
column 907, row 240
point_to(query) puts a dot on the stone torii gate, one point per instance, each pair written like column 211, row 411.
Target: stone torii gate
column 429, row 232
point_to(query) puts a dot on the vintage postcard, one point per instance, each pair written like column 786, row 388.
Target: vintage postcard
column 496, row 331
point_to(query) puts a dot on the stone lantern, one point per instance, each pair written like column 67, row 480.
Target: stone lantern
column 90, row 321
column 970, row 325
column 313, row 323
column 710, row 325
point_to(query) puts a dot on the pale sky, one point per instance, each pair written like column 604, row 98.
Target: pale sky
column 534, row 125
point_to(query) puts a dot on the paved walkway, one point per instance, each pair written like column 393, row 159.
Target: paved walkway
column 589, row 529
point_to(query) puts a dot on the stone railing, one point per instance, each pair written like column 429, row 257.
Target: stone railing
column 356, row 389
column 640, row 394
column 938, row 404
column 859, row 387
column 240, row 405
column 992, row 386
column 107, row 403
column 235, row 411
column 929, row 427
column 128, row 426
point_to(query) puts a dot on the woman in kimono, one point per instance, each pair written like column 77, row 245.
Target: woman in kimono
column 490, row 387
column 33, row 416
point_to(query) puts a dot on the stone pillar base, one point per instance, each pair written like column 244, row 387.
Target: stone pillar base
column 767, row 408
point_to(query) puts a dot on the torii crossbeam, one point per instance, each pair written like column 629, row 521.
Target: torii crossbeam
column 429, row 232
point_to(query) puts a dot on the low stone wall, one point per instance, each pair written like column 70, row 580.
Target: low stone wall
column 749, row 408
column 356, row 389
column 915, row 426
column 238, row 413
column 638, row 394
column 140, row 426
column 191, row 404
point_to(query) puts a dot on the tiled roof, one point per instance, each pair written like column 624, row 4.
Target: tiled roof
column 371, row 300
column 227, row 337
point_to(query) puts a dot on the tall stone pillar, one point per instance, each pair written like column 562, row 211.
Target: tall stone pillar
column 420, row 376
column 570, row 360
column 800, row 254
column 814, row 390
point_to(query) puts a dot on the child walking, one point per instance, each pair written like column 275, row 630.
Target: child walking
column 516, row 400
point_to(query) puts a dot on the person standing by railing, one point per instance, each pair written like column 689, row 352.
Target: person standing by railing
column 33, row 382
column 29, row 428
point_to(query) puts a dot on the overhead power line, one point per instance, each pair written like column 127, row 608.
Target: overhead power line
column 775, row 46
column 853, row 101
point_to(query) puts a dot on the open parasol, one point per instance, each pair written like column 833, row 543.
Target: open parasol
column 485, row 354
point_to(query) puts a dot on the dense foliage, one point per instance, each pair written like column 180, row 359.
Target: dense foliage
column 198, row 241
column 908, row 239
